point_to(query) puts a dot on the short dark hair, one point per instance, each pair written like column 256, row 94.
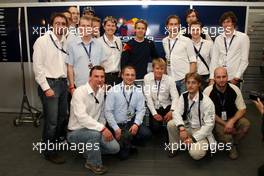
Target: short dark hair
column 143, row 22
column 96, row 67
column 196, row 22
column 127, row 67
column 173, row 17
column 55, row 15
column 227, row 15
column 189, row 11
column 96, row 19
column 194, row 75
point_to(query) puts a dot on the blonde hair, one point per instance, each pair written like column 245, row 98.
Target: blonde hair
column 159, row 61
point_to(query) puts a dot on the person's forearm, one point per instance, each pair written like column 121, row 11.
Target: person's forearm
column 239, row 114
column 70, row 75
column 193, row 67
column 219, row 120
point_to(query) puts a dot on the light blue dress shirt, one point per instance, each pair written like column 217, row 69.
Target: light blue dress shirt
column 116, row 105
column 79, row 59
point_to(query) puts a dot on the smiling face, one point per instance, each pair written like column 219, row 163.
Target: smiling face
column 110, row 28
column 75, row 14
column 140, row 30
column 129, row 76
column 196, row 31
column 228, row 26
column 59, row 26
column 97, row 78
column 192, row 85
column 85, row 27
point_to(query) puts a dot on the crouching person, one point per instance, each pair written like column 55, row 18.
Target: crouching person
column 87, row 123
column 193, row 121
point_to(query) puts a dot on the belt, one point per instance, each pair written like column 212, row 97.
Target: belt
column 113, row 73
column 57, row 79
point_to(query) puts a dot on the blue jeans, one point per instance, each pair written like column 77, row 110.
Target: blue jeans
column 94, row 138
column 54, row 112
column 181, row 87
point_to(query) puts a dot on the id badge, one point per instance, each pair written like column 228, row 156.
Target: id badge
column 129, row 115
column 90, row 65
column 224, row 115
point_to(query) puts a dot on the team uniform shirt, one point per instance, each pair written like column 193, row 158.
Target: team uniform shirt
column 49, row 59
column 232, row 54
column 180, row 54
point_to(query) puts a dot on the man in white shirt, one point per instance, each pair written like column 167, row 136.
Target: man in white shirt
column 193, row 121
column 230, row 50
column 112, row 47
column 87, row 122
column 51, row 75
column 161, row 95
column 203, row 50
column 179, row 53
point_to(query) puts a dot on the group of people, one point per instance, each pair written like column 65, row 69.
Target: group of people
column 193, row 92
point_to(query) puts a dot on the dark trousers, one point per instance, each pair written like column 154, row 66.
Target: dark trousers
column 54, row 112
column 127, row 140
column 112, row 78
column 157, row 127
column 205, row 81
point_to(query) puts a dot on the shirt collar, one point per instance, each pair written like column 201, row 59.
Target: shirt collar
column 79, row 40
column 234, row 33
column 55, row 37
column 108, row 41
column 177, row 36
column 89, row 88
column 201, row 40
column 153, row 78
column 196, row 97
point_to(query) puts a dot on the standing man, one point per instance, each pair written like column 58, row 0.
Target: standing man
column 203, row 50
column 112, row 47
column 193, row 120
column 96, row 23
column 87, row 122
column 124, row 111
column 84, row 53
column 161, row 95
column 139, row 51
column 231, row 50
column 51, row 75
column 179, row 53
column 75, row 16
column 193, row 16
column 231, row 124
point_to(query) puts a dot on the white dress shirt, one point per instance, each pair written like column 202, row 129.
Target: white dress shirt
column 206, row 47
column 160, row 94
column 49, row 61
column 85, row 111
column 207, row 115
column 236, row 59
column 112, row 53
column 178, row 57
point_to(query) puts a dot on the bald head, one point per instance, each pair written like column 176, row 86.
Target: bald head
column 220, row 70
column 220, row 77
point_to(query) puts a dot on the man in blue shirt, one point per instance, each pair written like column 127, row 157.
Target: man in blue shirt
column 124, row 112
column 84, row 53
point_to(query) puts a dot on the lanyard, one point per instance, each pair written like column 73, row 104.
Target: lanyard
column 88, row 53
column 96, row 100
column 189, row 110
column 61, row 49
column 111, row 46
column 158, row 84
column 171, row 48
column 222, row 100
column 229, row 43
column 130, row 97
column 198, row 51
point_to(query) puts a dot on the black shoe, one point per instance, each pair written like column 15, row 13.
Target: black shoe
column 133, row 150
column 172, row 154
column 56, row 159
column 99, row 170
